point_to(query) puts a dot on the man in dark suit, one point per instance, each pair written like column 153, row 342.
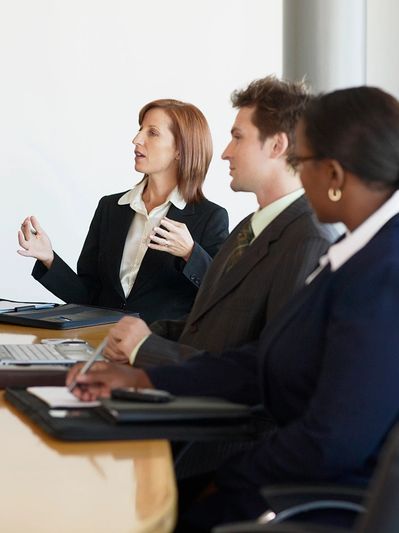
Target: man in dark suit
column 243, row 291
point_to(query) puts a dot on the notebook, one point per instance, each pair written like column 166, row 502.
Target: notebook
column 44, row 354
column 183, row 408
column 66, row 316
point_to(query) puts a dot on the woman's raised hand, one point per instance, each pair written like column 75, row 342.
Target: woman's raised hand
column 173, row 238
column 34, row 242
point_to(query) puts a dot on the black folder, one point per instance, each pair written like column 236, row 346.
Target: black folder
column 182, row 408
column 90, row 424
column 66, row 316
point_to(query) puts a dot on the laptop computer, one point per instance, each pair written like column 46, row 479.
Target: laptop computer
column 64, row 353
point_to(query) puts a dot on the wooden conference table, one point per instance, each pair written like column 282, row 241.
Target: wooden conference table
column 49, row 485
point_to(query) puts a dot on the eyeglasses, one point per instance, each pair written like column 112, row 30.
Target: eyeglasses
column 297, row 160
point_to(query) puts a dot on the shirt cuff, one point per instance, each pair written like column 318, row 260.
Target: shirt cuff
column 132, row 356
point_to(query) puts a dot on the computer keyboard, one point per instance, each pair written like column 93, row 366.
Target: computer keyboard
column 30, row 352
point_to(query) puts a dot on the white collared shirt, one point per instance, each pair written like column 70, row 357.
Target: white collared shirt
column 339, row 253
column 140, row 229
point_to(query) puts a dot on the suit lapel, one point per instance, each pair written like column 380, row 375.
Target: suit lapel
column 122, row 217
column 153, row 259
column 254, row 253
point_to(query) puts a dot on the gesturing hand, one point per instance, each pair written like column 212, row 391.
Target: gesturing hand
column 173, row 238
column 35, row 242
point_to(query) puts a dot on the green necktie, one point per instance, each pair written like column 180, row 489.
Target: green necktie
column 244, row 238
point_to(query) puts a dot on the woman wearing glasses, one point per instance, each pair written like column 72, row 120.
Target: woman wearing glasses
column 147, row 249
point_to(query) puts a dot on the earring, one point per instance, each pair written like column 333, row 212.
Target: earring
column 334, row 194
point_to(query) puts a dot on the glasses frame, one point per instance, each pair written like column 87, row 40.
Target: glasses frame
column 297, row 160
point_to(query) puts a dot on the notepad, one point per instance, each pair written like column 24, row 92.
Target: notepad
column 59, row 398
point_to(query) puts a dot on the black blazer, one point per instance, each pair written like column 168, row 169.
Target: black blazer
column 165, row 286
column 327, row 371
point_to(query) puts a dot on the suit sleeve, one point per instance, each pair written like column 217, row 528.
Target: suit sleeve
column 61, row 280
column 169, row 329
column 213, row 236
column 355, row 402
column 233, row 376
column 161, row 351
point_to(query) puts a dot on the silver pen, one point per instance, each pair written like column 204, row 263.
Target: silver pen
column 89, row 363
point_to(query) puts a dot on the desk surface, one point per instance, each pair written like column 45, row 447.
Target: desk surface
column 49, row 485
column 10, row 334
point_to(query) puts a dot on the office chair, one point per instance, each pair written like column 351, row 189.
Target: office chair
column 381, row 502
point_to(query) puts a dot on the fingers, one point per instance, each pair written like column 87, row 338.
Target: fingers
column 123, row 337
column 35, row 224
column 92, row 385
column 73, row 373
column 159, row 240
column 113, row 353
column 25, row 228
column 170, row 224
column 22, row 241
column 160, row 231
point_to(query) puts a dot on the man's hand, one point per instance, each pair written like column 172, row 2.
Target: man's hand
column 124, row 337
column 103, row 377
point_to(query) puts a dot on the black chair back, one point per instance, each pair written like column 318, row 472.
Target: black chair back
column 382, row 513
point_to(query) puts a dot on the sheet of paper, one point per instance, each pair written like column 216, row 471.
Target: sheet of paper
column 59, row 397
column 9, row 306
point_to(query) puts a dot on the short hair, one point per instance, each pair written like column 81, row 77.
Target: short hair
column 278, row 105
column 193, row 141
column 358, row 127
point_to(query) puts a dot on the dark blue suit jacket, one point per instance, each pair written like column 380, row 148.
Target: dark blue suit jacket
column 165, row 286
column 326, row 369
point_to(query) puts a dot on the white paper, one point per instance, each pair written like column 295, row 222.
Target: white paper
column 10, row 306
column 60, row 397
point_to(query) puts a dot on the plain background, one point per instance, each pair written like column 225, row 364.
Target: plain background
column 74, row 74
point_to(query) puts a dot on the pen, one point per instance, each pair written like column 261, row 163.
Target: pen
column 88, row 364
column 24, row 308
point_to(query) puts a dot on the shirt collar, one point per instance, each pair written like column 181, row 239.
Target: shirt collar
column 354, row 241
column 263, row 217
column 134, row 197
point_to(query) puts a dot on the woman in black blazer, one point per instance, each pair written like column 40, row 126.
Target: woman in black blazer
column 147, row 249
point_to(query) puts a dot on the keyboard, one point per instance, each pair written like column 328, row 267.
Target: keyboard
column 38, row 354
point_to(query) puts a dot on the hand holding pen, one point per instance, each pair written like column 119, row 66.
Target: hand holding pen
column 88, row 364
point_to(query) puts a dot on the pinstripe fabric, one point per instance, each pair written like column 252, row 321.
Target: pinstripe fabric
column 231, row 308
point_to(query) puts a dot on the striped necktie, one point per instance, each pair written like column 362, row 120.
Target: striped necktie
column 244, row 238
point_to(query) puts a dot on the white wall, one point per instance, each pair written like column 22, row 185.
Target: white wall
column 383, row 45
column 74, row 74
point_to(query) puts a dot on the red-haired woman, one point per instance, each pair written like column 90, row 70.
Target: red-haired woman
column 147, row 249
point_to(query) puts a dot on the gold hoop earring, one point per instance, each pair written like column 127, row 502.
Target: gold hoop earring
column 334, row 195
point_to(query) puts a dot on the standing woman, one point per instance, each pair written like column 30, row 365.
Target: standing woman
column 147, row 249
